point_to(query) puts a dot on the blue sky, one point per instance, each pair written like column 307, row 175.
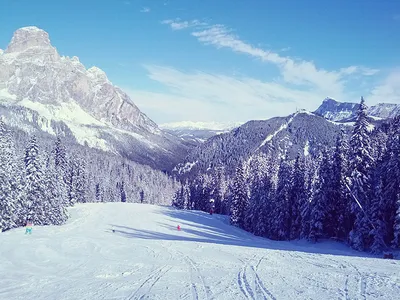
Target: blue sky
column 226, row 60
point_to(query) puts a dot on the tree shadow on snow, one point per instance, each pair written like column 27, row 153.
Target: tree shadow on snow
column 201, row 227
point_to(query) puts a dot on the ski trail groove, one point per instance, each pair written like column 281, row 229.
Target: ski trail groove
column 361, row 281
column 261, row 286
column 149, row 283
column 205, row 286
column 194, row 270
column 243, row 284
column 346, row 288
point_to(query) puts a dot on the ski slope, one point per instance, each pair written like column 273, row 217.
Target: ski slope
column 146, row 257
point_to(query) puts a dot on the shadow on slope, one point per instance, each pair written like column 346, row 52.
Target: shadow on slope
column 201, row 227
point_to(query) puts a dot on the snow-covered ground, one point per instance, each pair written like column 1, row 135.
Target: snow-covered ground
column 146, row 257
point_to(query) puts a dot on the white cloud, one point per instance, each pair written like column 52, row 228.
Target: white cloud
column 200, row 96
column 177, row 24
column 387, row 91
column 145, row 10
column 298, row 72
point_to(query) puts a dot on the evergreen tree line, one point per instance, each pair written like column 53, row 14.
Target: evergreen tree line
column 350, row 193
column 39, row 180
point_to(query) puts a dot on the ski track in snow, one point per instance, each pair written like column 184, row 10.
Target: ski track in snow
column 145, row 257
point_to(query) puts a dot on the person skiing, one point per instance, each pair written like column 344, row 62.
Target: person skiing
column 28, row 228
column 212, row 206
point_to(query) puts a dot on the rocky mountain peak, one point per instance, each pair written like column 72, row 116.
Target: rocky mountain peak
column 28, row 37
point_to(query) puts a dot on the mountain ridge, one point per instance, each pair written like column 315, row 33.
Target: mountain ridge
column 35, row 76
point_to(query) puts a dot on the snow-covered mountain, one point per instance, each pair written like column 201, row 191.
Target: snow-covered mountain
column 302, row 132
column 196, row 133
column 345, row 111
column 40, row 82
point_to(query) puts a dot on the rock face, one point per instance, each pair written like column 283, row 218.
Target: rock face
column 33, row 75
column 336, row 111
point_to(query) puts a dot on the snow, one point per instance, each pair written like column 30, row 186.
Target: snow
column 307, row 148
column 5, row 96
column 31, row 29
column 83, row 125
column 146, row 257
column 186, row 168
column 271, row 136
column 218, row 126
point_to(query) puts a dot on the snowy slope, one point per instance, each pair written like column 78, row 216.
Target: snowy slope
column 147, row 258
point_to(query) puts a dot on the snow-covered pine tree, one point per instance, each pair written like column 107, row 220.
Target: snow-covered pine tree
column 361, row 163
column 35, row 184
column 72, row 181
column 311, row 165
column 396, row 226
column 239, row 198
column 81, row 182
column 219, row 189
column 297, row 199
column 281, row 205
column 55, row 210
column 379, row 231
column 390, row 172
column 340, row 197
column 61, row 166
column 179, row 200
column 8, row 204
column 320, row 199
column 122, row 191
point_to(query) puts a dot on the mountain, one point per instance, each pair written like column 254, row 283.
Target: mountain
column 36, row 81
column 196, row 133
column 343, row 111
column 302, row 132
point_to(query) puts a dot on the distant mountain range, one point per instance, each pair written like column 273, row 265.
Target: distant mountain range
column 336, row 111
column 196, row 133
column 40, row 89
column 305, row 133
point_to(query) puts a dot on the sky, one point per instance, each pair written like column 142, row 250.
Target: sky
column 226, row 60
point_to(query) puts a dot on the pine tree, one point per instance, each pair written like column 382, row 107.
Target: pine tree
column 61, row 166
column 339, row 209
column 239, row 199
column 297, row 198
column 53, row 202
column 81, row 182
column 8, row 209
column 396, row 227
column 179, row 201
column 361, row 165
column 282, row 205
column 35, row 185
column 320, row 200
column 379, row 231
column 390, row 172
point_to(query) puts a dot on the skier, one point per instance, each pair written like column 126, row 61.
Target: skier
column 28, row 228
column 212, row 206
